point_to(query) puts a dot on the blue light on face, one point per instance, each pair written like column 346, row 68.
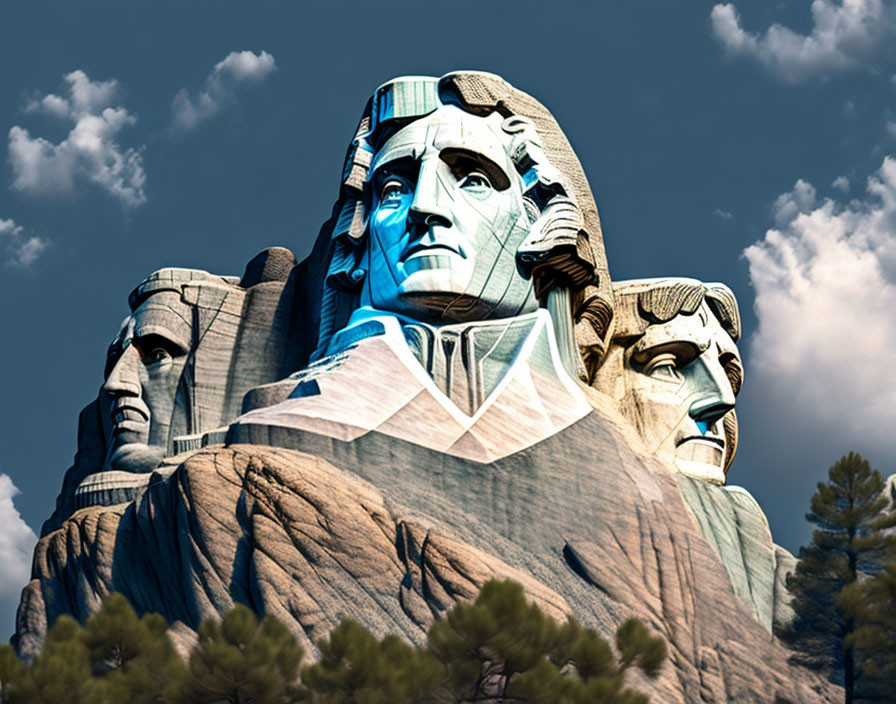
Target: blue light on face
column 702, row 426
column 391, row 212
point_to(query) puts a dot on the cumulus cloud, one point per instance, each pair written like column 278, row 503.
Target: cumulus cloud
column 825, row 285
column 236, row 68
column 841, row 183
column 21, row 250
column 788, row 205
column 89, row 153
column 842, row 37
column 17, row 542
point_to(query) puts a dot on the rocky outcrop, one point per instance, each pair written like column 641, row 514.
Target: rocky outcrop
column 587, row 526
column 378, row 431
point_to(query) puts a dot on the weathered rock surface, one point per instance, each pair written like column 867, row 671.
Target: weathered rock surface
column 392, row 534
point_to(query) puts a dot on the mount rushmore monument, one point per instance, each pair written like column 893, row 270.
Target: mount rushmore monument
column 450, row 388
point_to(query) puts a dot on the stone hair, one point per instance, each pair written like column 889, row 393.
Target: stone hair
column 651, row 301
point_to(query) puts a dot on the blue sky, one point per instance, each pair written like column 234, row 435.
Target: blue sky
column 746, row 143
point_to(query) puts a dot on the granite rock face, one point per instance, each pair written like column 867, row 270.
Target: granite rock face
column 449, row 389
column 396, row 539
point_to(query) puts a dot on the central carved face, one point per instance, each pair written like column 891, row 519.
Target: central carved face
column 446, row 218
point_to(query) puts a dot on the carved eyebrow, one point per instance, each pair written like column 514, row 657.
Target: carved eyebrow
column 404, row 161
column 154, row 327
column 684, row 350
column 464, row 159
column 659, row 337
column 403, row 153
column 147, row 342
column 402, row 165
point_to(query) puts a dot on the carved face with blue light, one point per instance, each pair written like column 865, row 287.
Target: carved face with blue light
column 680, row 381
column 445, row 220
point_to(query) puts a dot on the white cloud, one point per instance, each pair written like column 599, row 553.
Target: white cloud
column 90, row 151
column 841, row 183
column 788, row 205
column 825, row 284
column 21, row 250
column 9, row 228
column 17, row 542
column 220, row 88
column 842, row 37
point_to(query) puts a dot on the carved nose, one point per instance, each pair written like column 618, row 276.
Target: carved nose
column 434, row 219
column 709, row 409
column 124, row 378
column 717, row 397
column 431, row 198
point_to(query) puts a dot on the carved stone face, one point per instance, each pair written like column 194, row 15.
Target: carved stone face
column 446, row 218
column 140, row 390
column 677, row 382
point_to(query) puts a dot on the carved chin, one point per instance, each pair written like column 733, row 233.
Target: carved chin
column 135, row 457
column 436, row 273
column 701, row 458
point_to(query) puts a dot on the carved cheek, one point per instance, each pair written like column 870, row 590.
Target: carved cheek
column 388, row 232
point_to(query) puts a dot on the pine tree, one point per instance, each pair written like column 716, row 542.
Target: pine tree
column 238, row 661
column 872, row 603
column 134, row 658
column 500, row 648
column 61, row 673
column 355, row 667
column 497, row 649
column 10, row 670
column 847, row 541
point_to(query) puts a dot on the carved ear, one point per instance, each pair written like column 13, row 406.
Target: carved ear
column 483, row 93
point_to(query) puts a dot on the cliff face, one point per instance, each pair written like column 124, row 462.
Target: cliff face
column 449, row 389
column 392, row 535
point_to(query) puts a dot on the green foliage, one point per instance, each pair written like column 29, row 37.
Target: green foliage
column 238, row 661
column 10, row 671
column 136, row 657
column 637, row 647
column 61, row 673
column 503, row 648
column 872, row 603
column 848, row 510
column 114, row 658
column 356, row 667
column 497, row 649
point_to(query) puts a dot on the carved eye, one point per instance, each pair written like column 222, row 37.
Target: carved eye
column 156, row 351
column 477, row 184
column 664, row 367
column 158, row 355
column 392, row 191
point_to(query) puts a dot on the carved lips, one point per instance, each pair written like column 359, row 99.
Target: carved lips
column 129, row 414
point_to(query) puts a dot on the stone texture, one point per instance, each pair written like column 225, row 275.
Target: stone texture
column 499, row 422
column 229, row 335
column 392, row 534
column 737, row 529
